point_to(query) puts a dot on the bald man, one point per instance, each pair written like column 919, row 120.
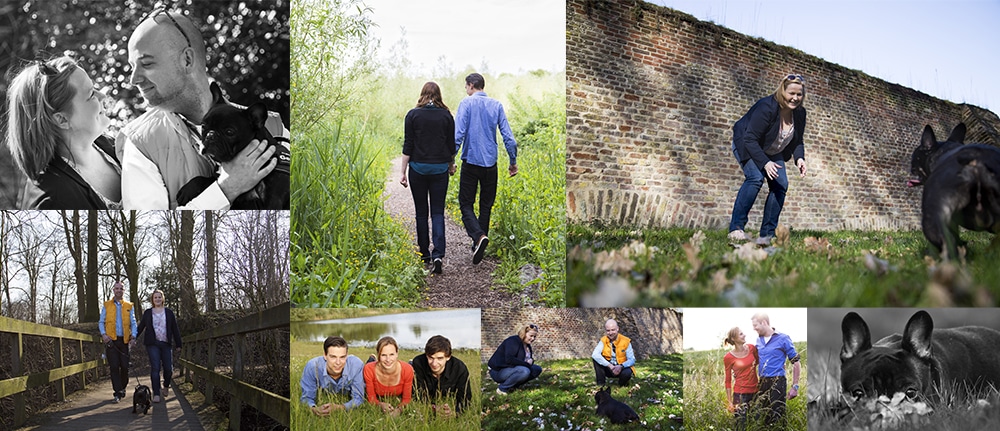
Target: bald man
column 160, row 150
column 773, row 348
column 613, row 356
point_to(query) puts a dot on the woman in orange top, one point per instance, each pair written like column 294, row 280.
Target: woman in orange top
column 388, row 377
column 741, row 365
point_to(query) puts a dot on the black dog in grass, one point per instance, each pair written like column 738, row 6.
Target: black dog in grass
column 142, row 399
column 617, row 411
column 961, row 188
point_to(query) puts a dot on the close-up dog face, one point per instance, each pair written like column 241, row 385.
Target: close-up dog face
column 227, row 129
column 897, row 364
column 923, row 155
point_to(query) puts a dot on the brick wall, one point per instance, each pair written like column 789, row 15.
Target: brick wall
column 568, row 333
column 652, row 95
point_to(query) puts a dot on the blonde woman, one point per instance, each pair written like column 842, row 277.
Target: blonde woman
column 164, row 329
column 388, row 377
column 56, row 121
column 766, row 137
column 741, row 375
column 513, row 363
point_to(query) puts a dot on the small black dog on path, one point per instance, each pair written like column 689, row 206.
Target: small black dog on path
column 142, row 399
column 617, row 411
column 961, row 188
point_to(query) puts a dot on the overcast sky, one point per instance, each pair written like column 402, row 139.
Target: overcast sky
column 947, row 49
column 705, row 328
column 507, row 35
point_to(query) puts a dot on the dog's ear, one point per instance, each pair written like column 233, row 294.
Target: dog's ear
column 857, row 337
column 957, row 134
column 928, row 140
column 917, row 335
column 258, row 115
column 217, row 93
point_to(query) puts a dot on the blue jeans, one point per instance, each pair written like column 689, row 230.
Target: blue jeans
column 511, row 378
column 159, row 355
column 434, row 188
column 471, row 179
column 748, row 194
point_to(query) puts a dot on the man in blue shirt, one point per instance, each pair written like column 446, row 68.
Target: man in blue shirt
column 334, row 372
column 773, row 348
column 117, row 337
column 613, row 356
column 476, row 124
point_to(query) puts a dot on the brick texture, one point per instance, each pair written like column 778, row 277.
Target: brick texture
column 651, row 98
column 570, row 333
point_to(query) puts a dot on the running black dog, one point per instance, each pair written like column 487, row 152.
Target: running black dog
column 617, row 411
column 226, row 131
column 142, row 399
column 961, row 188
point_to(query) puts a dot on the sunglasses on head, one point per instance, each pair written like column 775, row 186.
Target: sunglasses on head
column 156, row 12
column 45, row 68
column 533, row 326
column 795, row 78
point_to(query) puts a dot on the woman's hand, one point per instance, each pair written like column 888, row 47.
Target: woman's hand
column 402, row 180
column 771, row 168
column 801, row 163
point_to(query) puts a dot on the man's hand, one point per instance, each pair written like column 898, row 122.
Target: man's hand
column 512, row 170
column 793, row 393
column 322, row 411
column 106, row 338
column 616, row 369
column 247, row 169
column 444, row 410
column 131, row 343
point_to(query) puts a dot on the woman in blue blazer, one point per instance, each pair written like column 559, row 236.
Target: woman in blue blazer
column 767, row 136
column 163, row 328
column 513, row 363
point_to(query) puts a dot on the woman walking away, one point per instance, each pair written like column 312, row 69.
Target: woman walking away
column 429, row 153
column 767, row 136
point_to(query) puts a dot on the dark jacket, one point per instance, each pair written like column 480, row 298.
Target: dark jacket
column 759, row 128
column 61, row 188
column 147, row 322
column 454, row 382
column 510, row 354
column 429, row 135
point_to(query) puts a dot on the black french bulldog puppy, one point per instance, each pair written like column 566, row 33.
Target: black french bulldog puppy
column 227, row 130
column 617, row 411
column 961, row 188
column 142, row 399
column 924, row 363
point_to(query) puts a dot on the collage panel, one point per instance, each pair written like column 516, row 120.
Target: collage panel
column 904, row 368
column 431, row 169
column 745, row 368
column 401, row 369
column 581, row 368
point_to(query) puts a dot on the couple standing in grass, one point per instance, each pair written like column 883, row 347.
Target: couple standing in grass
column 759, row 372
column 431, row 140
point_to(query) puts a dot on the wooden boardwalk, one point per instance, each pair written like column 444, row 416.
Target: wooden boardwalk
column 93, row 409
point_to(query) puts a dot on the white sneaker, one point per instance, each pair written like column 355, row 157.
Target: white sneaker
column 501, row 392
column 156, row 398
column 738, row 236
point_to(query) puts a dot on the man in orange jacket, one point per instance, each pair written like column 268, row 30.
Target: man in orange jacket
column 613, row 356
column 117, row 338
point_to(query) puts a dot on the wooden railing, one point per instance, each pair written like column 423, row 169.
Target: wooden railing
column 271, row 404
column 16, row 386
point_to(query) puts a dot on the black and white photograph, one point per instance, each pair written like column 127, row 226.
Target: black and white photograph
column 904, row 368
column 145, row 105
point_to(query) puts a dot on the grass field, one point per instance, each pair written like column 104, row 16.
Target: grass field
column 829, row 411
column 705, row 393
column 678, row 266
column 563, row 398
column 417, row 415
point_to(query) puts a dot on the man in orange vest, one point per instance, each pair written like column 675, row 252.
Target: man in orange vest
column 613, row 356
column 117, row 338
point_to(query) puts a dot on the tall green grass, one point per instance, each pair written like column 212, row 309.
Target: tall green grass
column 835, row 273
column 705, row 393
column 416, row 416
column 346, row 250
column 563, row 398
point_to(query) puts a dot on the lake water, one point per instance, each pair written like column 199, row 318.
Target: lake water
column 411, row 330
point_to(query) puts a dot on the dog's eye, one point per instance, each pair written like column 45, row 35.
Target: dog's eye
column 230, row 132
column 858, row 393
column 911, row 393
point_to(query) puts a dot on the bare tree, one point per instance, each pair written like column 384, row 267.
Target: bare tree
column 8, row 223
column 93, row 305
column 210, row 256
column 255, row 258
column 29, row 257
column 74, row 242
column 127, row 248
column 181, row 234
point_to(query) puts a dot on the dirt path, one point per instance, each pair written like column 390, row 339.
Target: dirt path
column 462, row 284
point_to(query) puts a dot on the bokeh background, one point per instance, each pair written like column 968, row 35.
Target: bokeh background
column 247, row 42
